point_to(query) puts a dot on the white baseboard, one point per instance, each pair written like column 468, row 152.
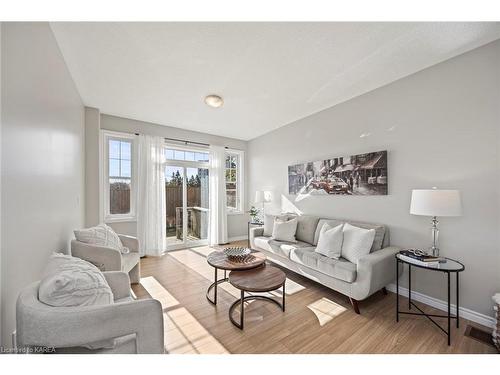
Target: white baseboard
column 237, row 238
column 465, row 313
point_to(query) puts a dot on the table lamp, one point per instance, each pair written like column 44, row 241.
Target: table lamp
column 435, row 202
column 262, row 196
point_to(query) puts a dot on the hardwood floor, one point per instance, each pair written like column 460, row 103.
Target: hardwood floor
column 316, row 320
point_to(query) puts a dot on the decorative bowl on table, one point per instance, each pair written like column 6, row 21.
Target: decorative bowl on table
column 236, row 253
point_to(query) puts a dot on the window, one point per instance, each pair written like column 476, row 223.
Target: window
column 234, row 186
column 175, row 154
column 118, row 168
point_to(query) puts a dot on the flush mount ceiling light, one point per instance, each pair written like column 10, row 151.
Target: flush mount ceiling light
column 214, row 101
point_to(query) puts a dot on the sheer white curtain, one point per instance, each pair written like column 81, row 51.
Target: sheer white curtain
column 151, row 205
column 217, row 233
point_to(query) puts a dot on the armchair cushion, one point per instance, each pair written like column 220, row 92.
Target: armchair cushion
column 100, row 235
column 129, row 261
column 69, row 281
column 119, row 283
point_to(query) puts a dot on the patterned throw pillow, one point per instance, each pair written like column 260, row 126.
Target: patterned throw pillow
column 100, row 235
column 68, row 281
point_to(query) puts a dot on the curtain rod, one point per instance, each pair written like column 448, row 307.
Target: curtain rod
column 186, row 141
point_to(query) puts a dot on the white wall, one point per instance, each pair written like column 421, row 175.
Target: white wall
column 42, row 158
column 441, row 128
column 236, row 223
column 92, row 127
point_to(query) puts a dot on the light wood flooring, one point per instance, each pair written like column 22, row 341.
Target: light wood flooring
column 316, row 320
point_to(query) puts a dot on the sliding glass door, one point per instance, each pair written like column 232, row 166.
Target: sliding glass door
column 174, row 186
column 187, row 197
column 197, row 204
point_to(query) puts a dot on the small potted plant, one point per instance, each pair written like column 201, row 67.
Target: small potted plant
column 254, row 215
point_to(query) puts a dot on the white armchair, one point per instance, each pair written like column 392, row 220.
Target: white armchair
column 108, row 259
column 126, row 326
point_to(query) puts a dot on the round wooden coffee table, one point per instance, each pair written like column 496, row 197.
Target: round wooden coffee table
column 262, row 279
column 219, row 260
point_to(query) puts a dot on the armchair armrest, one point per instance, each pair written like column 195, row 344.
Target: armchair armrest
column 255, row 232
column 119, row 283
column 104, row 258
column 78, row 326
column 375, row 271
column 130, row 242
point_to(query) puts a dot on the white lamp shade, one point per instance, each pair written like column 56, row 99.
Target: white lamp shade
column 263, row 196
column 268, row 196
column 260, row 196
column 434, row 202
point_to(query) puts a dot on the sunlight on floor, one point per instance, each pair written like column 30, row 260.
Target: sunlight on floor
column 196, row 260
column 325, row 310
column 185, row 335
column 202, row 250
column 292, row 287
column 157, row 291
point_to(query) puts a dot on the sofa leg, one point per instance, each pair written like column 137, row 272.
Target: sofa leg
column 384, row 290
column 135, row 274
column 354, row 304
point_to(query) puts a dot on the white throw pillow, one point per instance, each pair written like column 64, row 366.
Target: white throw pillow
column 68, row 281
column 100, row 235
column 269, row 223
column 357, row 242
column 330, row 241
column 284, row 230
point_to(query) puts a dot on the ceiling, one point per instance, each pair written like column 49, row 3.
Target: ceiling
column 269, row 74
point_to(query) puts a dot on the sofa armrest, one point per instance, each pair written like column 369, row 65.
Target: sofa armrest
column 119, row 282
column 104, row 258
column 78, row 326
column 255, row 232
column 376, row 270
column 130, row 242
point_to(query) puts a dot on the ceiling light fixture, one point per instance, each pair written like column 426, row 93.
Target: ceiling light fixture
column 214, row 101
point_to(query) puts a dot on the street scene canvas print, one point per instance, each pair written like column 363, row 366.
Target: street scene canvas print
column 363, row 174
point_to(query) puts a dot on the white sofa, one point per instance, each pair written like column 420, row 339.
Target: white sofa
column 357, row 281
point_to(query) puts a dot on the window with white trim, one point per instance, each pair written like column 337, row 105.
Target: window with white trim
column 118, row 177
column 234, row 181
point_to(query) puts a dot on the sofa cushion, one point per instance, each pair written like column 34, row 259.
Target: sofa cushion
column 129, row 261
column 281, row 248
column 306, row 228
column 269, row 223
column 380, row 230
column 340, row 269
